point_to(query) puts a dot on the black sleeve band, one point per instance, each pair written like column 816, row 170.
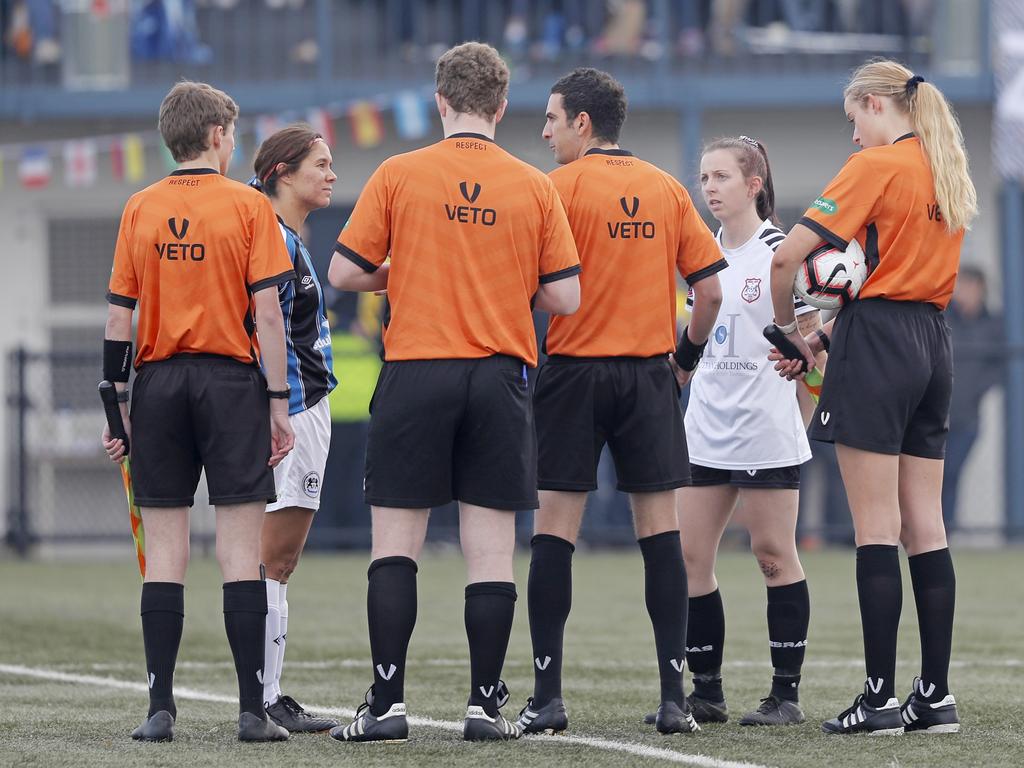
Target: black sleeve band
column 708, row 271
column 561, row 274
column 825, row 233
column 826, row 342
column 117, row 360
column 121, row 301
column 688, row 354
column 267, row 282
column 355, row 258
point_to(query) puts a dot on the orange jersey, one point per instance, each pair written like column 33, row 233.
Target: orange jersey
column 884, row 197
column 471, row 232
column 635, row 226
column 191, row 251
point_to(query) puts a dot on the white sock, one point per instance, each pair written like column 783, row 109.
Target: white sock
column 283, row 603
column 273, row 649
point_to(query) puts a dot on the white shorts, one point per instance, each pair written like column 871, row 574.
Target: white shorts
column 300, row 475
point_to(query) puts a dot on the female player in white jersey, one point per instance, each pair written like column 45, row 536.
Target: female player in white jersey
column 746, row 440
column 294, row 169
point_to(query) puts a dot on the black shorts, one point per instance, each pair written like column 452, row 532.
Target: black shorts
column 444, row 430
column 630, row 403
column 775, row 477
column 888, row 381
column 197, row 412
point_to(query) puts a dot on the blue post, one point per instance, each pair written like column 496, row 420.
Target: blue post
column 1013, row 314
column 325, row 47
column 691, row 125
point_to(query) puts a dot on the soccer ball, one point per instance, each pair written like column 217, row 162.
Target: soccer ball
column 830, row 278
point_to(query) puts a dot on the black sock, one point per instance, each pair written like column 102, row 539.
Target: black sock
column 163, row 614
column 490, row 606
column 391, row 611
column 789, row 611
column 880, row 591
column 705, row 638
column 934, row 582
column 245, row 620
column 549, row 594
column 665, row 593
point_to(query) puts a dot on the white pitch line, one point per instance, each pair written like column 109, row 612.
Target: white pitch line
column 608, row 745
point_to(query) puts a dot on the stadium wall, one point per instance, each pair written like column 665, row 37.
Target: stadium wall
column 806, row 147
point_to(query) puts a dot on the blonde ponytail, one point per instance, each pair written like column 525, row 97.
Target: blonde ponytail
column 935, row 124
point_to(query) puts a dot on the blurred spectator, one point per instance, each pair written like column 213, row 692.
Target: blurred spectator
column 30, row 30
column 977, row 367
column 166, row 29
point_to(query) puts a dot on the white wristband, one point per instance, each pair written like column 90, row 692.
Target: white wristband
column 788, row 328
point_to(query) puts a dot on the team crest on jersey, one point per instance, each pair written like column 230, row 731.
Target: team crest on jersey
column 751, row 290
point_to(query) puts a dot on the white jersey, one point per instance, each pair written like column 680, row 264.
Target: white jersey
column 742, row 414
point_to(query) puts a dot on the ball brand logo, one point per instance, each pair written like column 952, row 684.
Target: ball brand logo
column 470, row 214
column 630, row 230
column 180, row 251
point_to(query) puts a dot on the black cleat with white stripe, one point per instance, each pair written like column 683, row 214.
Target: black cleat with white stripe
column 550, row 719
column 672, row 718
column 390, row 727
column 920, row 716
column 479, row 726
column 703, row 711
column 863, row 718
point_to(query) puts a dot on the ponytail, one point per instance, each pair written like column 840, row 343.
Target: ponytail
column 935, row 124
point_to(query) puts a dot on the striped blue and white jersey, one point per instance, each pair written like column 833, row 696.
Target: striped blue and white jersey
column 307, row 334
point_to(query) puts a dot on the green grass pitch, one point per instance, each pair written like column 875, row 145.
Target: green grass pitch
column 81, row 619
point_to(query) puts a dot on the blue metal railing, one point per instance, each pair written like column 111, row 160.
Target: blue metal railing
column 271, row 51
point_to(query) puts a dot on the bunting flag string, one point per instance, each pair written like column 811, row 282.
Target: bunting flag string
column 79, row 158
column 367, row 127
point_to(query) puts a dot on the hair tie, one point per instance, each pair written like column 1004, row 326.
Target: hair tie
column 255, row 183
column 912, row 83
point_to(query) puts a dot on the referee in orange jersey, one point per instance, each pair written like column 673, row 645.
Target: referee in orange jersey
column 907, row 198
column 609, row 380
column 475, row 238
column 201, row 257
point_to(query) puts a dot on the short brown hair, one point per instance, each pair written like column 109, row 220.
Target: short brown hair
column 186, row 114
column 473, row 78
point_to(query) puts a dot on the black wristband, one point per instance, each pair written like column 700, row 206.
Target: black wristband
column 117, row 360
column 826, row 342
column 688, row 354
column 122, row 396
column 279, row 394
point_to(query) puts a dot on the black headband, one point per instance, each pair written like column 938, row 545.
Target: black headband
column 912, row 83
